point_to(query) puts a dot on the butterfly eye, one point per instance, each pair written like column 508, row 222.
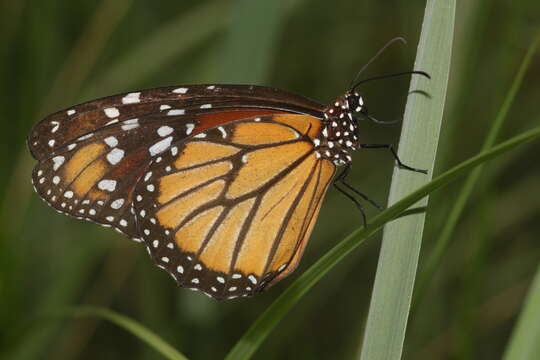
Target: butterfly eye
column 355, row 102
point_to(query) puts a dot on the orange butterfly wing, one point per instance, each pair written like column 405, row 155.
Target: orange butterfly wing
column 229, row 211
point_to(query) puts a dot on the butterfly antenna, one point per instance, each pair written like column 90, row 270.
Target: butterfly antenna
column 423, row 73
column 402, row 40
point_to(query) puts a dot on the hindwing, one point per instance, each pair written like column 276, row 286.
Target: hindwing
column 229, row 211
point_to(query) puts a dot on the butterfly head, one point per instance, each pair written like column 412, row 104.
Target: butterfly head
column 355, row 103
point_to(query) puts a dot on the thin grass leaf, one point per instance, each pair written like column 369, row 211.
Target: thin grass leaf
column 263, row 326
column 441, row 244
column 154, row 341
column 398, row 260
column 524, row 344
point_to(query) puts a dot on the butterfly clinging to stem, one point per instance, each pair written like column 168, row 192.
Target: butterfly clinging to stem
column 222, row 183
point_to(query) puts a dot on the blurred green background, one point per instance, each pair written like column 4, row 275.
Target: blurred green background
column 57, row 53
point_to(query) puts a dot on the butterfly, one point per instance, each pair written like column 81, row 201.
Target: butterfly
column 222, row 183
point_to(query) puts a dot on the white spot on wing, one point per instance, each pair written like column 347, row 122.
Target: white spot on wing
column 84, row 137
column 164, row 107
column 130, row 124
column 58, row 161
column 56, row 125
column 181, row 90
column 189, row 128
column 71, row 112
column 164, row 131
column 117, row 204
column 160, row 146
column 206, row 106
column 223, row 132
column 176, row 112
column 115, row 155
column 111, row 112
column 111, row 141
column 131, row 98
column 108, row 185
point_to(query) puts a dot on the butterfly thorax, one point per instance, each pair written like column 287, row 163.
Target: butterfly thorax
column 339, row 133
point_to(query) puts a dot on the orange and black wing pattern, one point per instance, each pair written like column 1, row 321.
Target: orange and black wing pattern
column 229, row 210
column 223, row 183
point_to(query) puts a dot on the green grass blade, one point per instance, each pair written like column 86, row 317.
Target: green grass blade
column 131, row 326
column 263, row 326
column 524, row 344
column 398, row 260
column 466, row 191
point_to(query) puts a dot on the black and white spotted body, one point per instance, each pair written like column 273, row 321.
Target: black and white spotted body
column 339, row 135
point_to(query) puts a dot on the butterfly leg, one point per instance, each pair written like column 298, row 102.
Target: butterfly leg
column 340, row 180
column 355, row 201
column 365, row 113
column 393, row 151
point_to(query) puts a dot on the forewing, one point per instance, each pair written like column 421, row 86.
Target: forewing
column 68, row 124
column 230, row 210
